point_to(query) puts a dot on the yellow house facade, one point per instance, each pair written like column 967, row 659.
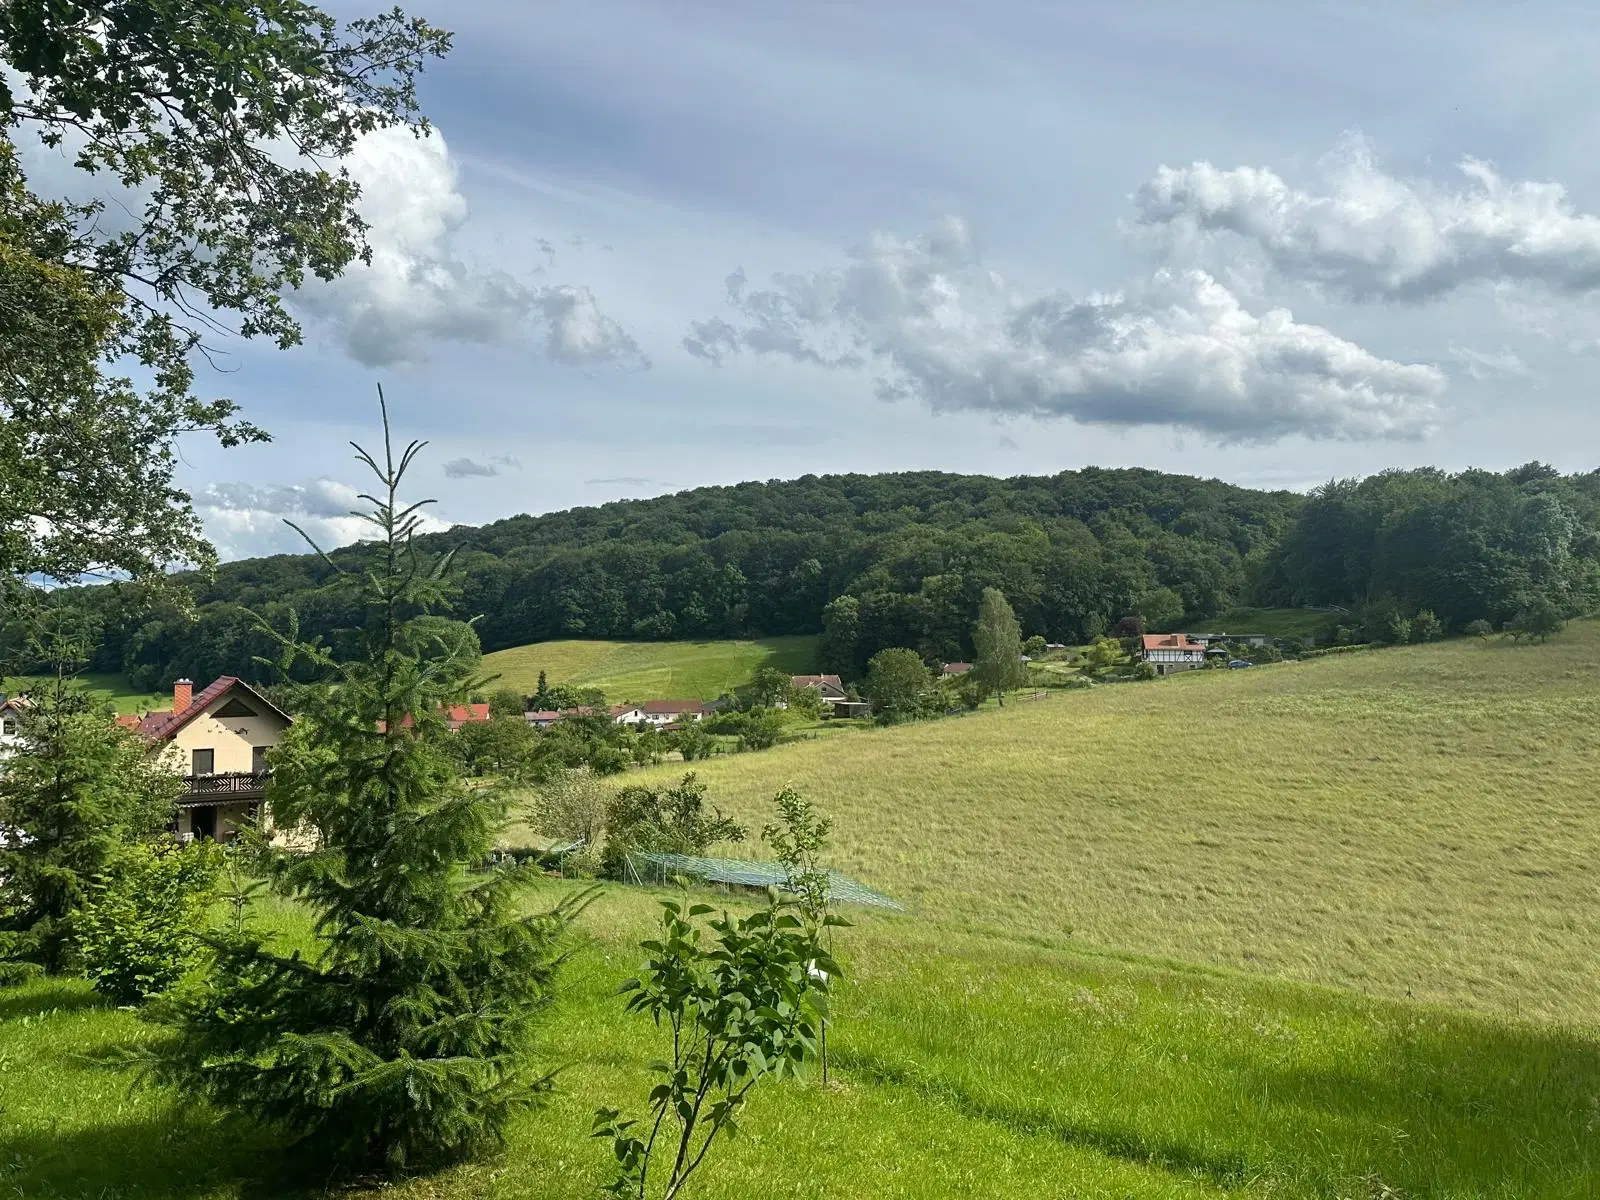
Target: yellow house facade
column 217, row 740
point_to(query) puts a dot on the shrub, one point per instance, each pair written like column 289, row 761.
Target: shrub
column 666, row 820
column 571, row 807
column 1425, row 626
column 1478, row 629
column 693, row 741
column 138, row 932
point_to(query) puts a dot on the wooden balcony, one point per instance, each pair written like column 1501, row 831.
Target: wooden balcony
column 228, row 787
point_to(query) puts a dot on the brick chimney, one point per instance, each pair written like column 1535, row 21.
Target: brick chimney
column 182, row 694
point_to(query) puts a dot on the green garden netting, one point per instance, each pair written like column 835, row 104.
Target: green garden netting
column 654, row 867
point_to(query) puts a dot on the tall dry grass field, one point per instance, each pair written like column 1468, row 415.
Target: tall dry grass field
column 1412, row 822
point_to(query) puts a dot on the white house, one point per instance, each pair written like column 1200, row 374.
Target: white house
column 11, row 710
column 217, row 739
column 1169, row 652
column 658, row 713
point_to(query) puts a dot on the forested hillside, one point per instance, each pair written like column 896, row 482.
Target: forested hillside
column 901, row 559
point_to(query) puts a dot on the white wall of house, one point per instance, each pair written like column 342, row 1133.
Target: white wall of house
column 232, row 741
column 1175, row 656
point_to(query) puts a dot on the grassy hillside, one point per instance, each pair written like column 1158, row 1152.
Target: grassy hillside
column 1078, row 1004
column 124, row 697
column 1413, row 822
column 650, row 670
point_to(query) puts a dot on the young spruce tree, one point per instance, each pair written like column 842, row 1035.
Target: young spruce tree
column 73, row 799
column 403, row 1040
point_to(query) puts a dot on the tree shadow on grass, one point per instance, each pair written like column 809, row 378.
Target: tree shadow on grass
column 1471, row 1106
column 39, row 997
column 170, row 1157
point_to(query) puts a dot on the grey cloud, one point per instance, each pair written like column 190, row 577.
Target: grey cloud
column 628, row 481
column 1368, row 235
column 578, row 333
column 506, row 460
column 1180, row 350
column 244, row 519
column 466, row 468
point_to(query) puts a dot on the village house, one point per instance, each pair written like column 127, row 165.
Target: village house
column 657, row 714
column 955, row 668
column 217, row 740
column 12, row 709
column 544, row 718
column 1170, row 652
column 833, row 693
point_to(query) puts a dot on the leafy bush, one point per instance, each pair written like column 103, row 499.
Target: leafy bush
column 743, row 1006
column 1478, row 629
column 138, row 932
column 1425, row 626
column 667, row 820
column 571, row 807
column 693, row 741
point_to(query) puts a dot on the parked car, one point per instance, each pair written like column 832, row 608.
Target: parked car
column 1240, row 662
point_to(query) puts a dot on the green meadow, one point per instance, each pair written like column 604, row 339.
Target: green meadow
column 1317, row 930
column 115, row 689
column 650, row 670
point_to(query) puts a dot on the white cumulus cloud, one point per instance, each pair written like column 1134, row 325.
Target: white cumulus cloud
column 419, row 288
column 1365, row 234
column 244, row 520
column 1180, row 350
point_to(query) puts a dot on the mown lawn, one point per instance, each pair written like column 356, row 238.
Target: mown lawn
column 637, row 671
column 964, row 1066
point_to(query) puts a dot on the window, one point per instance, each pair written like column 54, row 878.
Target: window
column 258, row 759
column 205, row 762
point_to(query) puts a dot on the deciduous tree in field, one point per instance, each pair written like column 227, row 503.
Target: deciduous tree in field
column 404, row 1038
column 841, row 636
column 897, row 682
column 997, row 642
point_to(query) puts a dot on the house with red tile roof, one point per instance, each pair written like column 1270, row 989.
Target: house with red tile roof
column 831, row 686
column 833, row 693
column 217, row 740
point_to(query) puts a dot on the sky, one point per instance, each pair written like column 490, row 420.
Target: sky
column 654, row 246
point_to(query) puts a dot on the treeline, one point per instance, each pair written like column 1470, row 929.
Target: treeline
column 1073, row 553
column 900, row 560
column 1466, row 548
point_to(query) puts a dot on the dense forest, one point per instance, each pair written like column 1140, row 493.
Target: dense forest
column 874, row 561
